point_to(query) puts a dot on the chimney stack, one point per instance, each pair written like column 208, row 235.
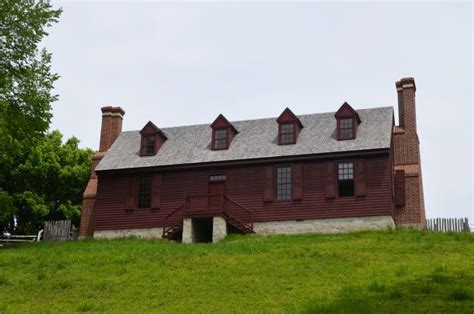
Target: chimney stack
column 111, row 126
column 406, row 89
column 406, row 158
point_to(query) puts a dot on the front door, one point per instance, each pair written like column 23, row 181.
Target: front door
column 216, row 196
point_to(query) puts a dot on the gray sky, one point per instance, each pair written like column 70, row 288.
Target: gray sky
column 179, row 64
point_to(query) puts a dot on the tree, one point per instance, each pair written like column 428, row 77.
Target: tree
column 52, row 179
column 37, row 171
column 26, row 81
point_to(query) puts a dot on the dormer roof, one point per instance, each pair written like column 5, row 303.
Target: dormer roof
column 288, row 116
column 222, row 122
column 346, row 111
column 151, row 129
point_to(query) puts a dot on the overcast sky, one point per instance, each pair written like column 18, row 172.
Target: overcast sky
column 179, row 64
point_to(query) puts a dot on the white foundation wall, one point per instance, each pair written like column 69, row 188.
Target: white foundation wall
column 219, row 229
column 145, row 233
column 188, row 236
column 331, row 225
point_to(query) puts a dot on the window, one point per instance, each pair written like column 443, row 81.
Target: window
column 283, row 183
column 149, row 145
column 152, row 138
column 144, row 192
column 346, row 179
column 287, row 133
column 217, row 178
column 345, row 129
column 220, row 139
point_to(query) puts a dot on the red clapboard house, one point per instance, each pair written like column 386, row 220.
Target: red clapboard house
column 329, row 172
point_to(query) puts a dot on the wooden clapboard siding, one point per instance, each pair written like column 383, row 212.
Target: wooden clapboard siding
column 247, row 185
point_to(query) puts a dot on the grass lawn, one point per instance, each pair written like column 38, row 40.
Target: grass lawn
column 388, row 272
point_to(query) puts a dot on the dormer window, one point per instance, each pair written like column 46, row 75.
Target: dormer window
column 152, row 138
column 287, row 133
column 149, row 145
column 346, row 129
column 220, row 139
column 223, row 133
column 289, row 127
column 347, row 122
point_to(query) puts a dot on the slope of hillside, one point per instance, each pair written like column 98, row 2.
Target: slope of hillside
column 398, row 271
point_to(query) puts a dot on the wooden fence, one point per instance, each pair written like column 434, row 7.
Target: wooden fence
column 59, row 230
column 448, row 224
column 16, row 238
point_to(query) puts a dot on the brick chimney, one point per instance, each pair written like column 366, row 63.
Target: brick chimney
column 111, row 128
column 406, row 89
column 406, row 151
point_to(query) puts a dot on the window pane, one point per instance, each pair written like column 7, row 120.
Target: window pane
column 287, row 131
column 346, row 178
column 283, row 183
column 345, row 128
column 346, row 171
column 217, row 178
column 149, row 145
column 144, row 192
column 220, row 139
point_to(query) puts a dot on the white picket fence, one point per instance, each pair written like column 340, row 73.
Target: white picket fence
column 448, row 224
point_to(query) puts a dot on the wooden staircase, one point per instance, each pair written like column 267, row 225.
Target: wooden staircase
column 236, row 215
column 174, row 224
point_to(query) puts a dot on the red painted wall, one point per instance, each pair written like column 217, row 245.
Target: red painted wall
column 245, row 184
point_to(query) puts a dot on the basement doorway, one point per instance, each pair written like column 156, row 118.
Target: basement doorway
column 202, row 230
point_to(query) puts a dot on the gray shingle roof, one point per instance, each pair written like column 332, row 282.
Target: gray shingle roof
column 256, row 139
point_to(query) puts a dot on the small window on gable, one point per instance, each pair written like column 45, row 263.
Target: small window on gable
column 289, row 127
column 152, row 138
column 220, row 139
column 347, row 122
column 149, row 145
column 346, row 179
column 287, row 133
column 223, row 132
column 346, row 128
column 144, row 192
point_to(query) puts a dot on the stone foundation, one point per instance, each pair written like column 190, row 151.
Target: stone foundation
column 187, row 231
column 145, row 233
column 190, row 230
column 219, row 229
column 331, row 225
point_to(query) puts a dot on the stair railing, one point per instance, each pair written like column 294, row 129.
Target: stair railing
column 243, row 210
column 172, row 220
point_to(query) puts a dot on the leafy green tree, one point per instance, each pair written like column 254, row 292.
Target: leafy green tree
column 52, row 178
column 26, row 80
column 40, row 177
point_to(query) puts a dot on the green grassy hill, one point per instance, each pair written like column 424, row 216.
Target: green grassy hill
column 393, row 272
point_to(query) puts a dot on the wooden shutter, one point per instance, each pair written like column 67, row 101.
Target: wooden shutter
column 156, row 191
column 298, row 182
column 400, row 197
column 268, row 185
column 131, row 199
column 331, row 179
column 360, row 178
